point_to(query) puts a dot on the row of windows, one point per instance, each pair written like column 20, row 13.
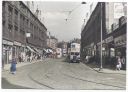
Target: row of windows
column 23, row 22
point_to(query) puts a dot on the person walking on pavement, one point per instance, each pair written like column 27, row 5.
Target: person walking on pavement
column 20, row 60
column 13, row 66
column 119, row 65
column 123, row 61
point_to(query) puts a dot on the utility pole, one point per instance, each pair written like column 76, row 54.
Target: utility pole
column 101, row 67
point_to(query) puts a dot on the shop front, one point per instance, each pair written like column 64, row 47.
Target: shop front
column 108, row 50
column 120, row 49
column 6, row 52
column 89, row 50
column 120, row 45
column 109, row 47
column 17, row 48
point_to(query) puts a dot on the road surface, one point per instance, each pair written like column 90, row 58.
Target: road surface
column 59, row 74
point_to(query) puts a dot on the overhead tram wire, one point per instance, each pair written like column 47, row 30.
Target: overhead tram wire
column 70, row 12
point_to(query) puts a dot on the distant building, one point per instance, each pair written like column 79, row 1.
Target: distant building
column 52, row 42
column 63, row 46
column 76, row 40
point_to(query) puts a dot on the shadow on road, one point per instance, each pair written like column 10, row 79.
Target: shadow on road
column 6, row 85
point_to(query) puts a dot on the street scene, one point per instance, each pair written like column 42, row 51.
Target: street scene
column 57, row 45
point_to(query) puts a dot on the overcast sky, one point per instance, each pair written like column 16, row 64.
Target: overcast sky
column 55, row 13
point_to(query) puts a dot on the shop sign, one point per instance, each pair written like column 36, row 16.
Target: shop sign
column 23, row 45
column 28, row 34
column 17, row 43
column 109, row 39
column 121, row 40
column 7, row 42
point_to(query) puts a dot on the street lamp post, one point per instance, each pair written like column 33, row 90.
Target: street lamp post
column 101, row 63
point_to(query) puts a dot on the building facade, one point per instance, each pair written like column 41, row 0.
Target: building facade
column 113, row 34
column 91, row 35
column 63, row 46
column 17, row 21
column 52, row 42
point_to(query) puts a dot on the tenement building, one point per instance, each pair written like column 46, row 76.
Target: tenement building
column 22, row 31
column 107, row 24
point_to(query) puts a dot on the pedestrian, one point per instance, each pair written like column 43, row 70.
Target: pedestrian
column 13, row 66
column 123, row 61
column 20, row 60
column 119, row 65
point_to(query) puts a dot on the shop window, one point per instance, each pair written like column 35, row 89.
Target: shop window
column 112, row 52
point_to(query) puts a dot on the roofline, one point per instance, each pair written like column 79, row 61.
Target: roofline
column 33, row 15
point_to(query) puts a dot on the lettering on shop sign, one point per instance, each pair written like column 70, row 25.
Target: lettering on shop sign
column 121, row 40
column 7, row 42
column 17, row 43
column 109, row 39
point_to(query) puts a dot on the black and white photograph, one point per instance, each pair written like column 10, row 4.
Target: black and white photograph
column 64, row 45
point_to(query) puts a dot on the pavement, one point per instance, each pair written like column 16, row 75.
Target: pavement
column 59, row 74
column 110, row 71
column 7, row 66
column 106, row 70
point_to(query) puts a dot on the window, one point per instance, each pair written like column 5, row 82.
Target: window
column 3, row 3
column 10, row 10
column 77, row 53
column 26, row 22
column 16, row 17
column 73, row 46
column 9, row 13
column 3, row 23
column 72, row 53
column 9, row 28
column 16, row 12
column 22, row 32
column 16, row 28
column 112, row 52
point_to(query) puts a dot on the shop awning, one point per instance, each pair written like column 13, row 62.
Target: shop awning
column 38, row 51
column 30, row 48
column 49, row 51
column 45, row 50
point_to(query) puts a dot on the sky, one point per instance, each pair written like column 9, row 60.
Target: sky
column 55, row 13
